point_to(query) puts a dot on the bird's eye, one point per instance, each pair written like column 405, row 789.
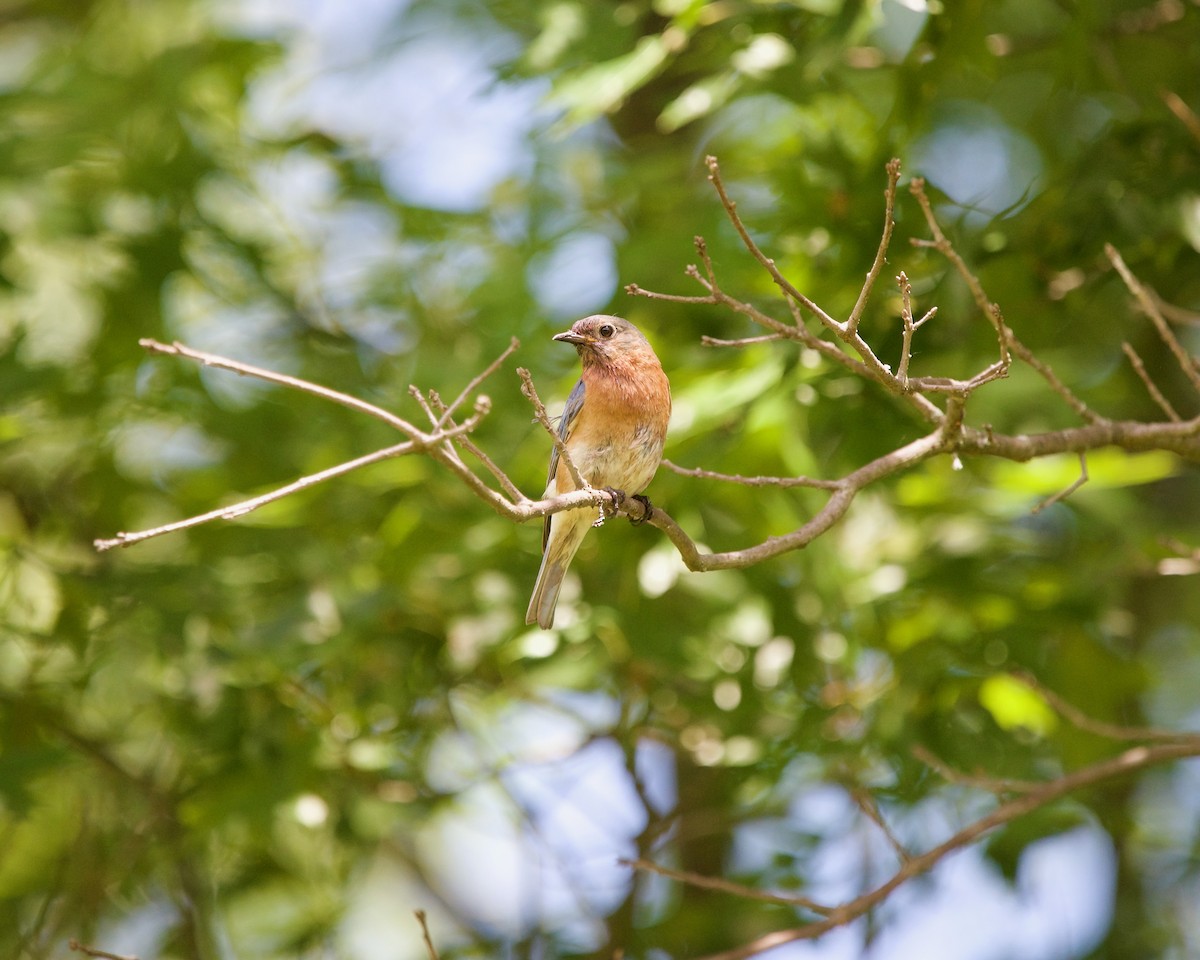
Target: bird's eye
column 607, row 331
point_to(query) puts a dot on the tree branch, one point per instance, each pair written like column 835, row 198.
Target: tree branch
column 1131, row 761
column 950, row 435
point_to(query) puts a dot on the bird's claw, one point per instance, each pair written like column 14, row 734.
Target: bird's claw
column 608, row 508
column 647, row 510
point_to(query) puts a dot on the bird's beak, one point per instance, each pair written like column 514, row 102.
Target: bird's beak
column 570, row 336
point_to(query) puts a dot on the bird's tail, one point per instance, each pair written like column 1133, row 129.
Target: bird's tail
column 566, row 534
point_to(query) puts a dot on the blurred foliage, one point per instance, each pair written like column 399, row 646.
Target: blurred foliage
column 277, row 737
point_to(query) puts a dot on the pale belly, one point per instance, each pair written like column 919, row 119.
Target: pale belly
column 628, row 466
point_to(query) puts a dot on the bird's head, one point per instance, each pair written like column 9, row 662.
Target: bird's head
column 603, row 339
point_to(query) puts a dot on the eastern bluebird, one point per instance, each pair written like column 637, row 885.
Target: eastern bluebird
column 614, row 426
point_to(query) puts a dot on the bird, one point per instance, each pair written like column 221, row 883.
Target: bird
column 613, row 426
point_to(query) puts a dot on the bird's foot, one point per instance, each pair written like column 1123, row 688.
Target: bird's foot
column 608, row 508
column 647, row 510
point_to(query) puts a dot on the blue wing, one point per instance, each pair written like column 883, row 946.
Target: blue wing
column 570, row 412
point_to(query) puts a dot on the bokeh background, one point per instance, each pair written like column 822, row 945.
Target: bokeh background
column 278, row 737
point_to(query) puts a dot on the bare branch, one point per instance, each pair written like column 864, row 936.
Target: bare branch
column 491, row 368
column 725, row 886
column 247, row 370
column 78, row 947
column 1176, row 314
column 243, row 507
column 833, row 510
column 743, row 342
column 1140, row 369
column 1101, row 728
column 752, row 481
column 893, row 177
column 1008, row 339
column 511, row 489
column 1187, row 116
column 714, row 174
column 906, row 318
column 1070, row 489
column 1187, row 363
column 635, row 291
column 429, row 947
column 870, row 809
column 1131, row 761
column 997, row 785
column 539, row 411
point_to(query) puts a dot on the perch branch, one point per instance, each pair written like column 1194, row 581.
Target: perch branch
column 950, row 434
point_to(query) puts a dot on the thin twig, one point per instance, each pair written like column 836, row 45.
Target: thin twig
column 714, row 174
column 243, row 507
column 432, row 950
column 906, row 319
column 1187, row 363
column 635, row 291
column 996, row 785
column 1157, row 395
column 491, row 368
column 1101, row 728
column 702, row 474
column 514, row 492
column 1187, row 116
column 247, row 370
column 1078, row 482
column 78, row 947
column 743, row 342
column 415, row 392
column 870, row 809
column 1131, row 761
column 1007, row 338
column 889, row 223
column 539, row 411
column 1173, row 313
column 725, row 886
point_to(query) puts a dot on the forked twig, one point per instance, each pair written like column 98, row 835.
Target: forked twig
column 1131, row 761
column 1187, row 363
column 714, row 174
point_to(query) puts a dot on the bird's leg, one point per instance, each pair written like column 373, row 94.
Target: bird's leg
column 609, row 508
column 647, row 510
